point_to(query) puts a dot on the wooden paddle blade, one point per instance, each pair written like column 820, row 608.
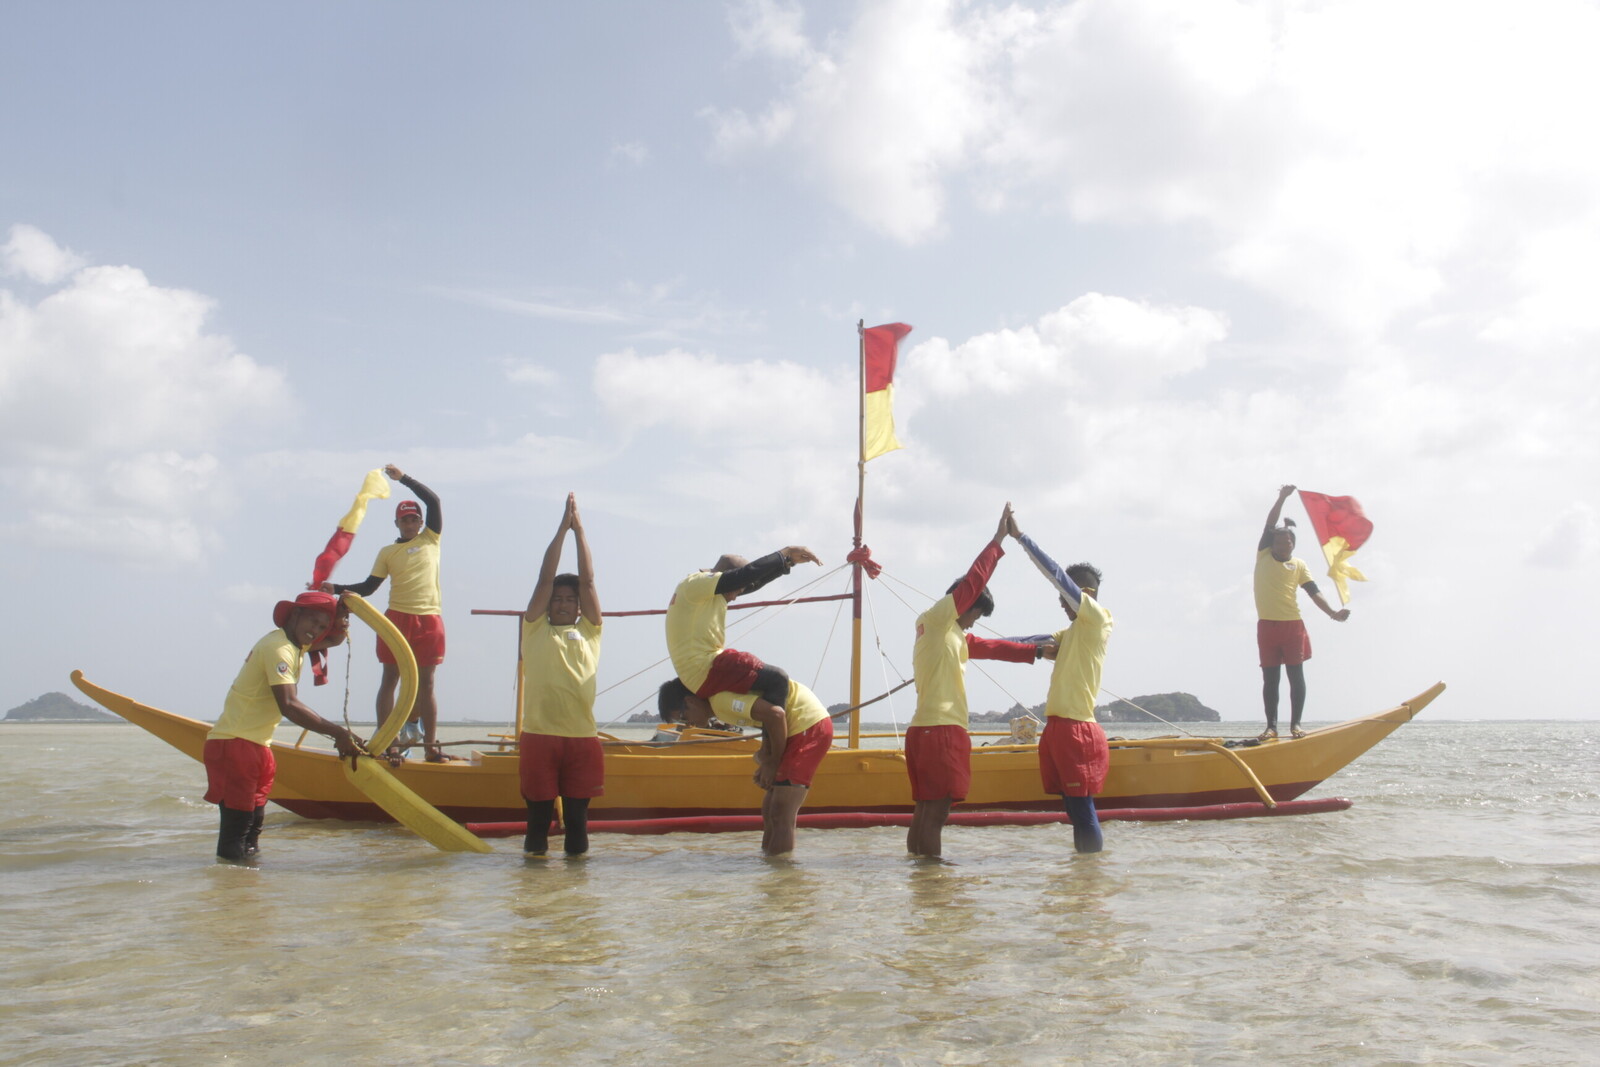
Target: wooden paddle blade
column 393, row 796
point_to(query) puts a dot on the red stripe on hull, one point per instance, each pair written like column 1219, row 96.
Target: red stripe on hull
column 721, row 824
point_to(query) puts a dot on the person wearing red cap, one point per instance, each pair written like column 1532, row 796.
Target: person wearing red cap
column 237, row 756
column 414, row 605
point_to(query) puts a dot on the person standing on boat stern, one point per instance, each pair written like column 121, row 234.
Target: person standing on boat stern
column 415, row 607
column 237, row 755
column 938, row 747
column 558, row 752
column 795, row 736
column 1281, row 635
column 697, row 620
column 1073, row 754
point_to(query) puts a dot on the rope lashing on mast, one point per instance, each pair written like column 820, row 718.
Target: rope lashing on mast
column 863, row 556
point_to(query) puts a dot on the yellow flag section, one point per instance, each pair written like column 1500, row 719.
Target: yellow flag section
column 373, row 778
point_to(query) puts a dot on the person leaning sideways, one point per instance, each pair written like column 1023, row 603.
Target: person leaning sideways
column 558, row 751
column 1073, row 754
column 795, row 736
column 938, row 747
column 239, row 762
column 414, row 607
column 1280, row 634
column 697, row 620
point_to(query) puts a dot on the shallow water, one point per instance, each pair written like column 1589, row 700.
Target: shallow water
column 1451, row 916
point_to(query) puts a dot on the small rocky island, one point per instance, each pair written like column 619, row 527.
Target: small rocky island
column 57, row 707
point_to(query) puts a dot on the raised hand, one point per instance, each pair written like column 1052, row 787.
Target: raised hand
column 392, row 471
column 799, row 554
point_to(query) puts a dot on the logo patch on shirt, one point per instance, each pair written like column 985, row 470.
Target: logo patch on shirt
column 573, row 635
column 738, row 705
column 283, row 668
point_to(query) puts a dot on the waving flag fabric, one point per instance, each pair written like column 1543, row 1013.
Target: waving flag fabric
column 1341, row 527
column 881, row 345
column 375, row 485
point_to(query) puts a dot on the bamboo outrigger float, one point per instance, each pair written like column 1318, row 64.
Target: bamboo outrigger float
column 652, row 787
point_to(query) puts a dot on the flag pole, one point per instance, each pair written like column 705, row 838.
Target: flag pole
column 855, row 575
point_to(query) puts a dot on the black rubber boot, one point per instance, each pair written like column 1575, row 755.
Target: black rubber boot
column 537, row 841
column 252, row 837
column 235, row 829
column 575, row 813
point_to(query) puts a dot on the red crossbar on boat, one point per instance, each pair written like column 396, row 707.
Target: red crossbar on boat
column 849, row 820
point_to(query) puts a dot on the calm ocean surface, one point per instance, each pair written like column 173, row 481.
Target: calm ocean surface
column 1452, row 916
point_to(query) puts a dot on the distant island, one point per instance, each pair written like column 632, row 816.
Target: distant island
column 1168, row 707
column 57, row 707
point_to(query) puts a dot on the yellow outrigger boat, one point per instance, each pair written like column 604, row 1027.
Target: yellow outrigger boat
column 704, row 783
column 647, row 781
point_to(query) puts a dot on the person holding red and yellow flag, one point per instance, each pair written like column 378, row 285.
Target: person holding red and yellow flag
column 1281, row 636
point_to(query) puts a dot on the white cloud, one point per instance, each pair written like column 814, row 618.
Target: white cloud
column 113, row 399
column 1358, row 160
column 31, row 253
column 630, row 153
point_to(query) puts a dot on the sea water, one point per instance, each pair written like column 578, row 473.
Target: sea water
column 1451, row 916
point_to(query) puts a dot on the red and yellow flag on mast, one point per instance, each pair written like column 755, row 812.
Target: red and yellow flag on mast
column 880, row 345
column 1341, row 527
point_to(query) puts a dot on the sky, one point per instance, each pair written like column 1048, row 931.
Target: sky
column 1160, row 258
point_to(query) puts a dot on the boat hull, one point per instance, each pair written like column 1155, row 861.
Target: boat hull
column 692, row 781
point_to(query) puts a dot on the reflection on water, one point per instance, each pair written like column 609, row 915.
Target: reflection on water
column 1453, row 915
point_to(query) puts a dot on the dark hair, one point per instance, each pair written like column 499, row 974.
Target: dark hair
column 1288, row 528
column 671, row 701
column 1087, row 575
column 564, row 581
column 984, row 600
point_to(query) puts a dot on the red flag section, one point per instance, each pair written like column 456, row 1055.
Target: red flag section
column 373, row 485
column 1341, row 527
column 880, row 349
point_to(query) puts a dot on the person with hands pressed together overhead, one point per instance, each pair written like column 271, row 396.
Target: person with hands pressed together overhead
column 237, row 755
column 697, row 618
column 558, row 752
column 414, row 607
column 1281, row 636
column 1073, row 755
column 795, row 736
column 938, row 747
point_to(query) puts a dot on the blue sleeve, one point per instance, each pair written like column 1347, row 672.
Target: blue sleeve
column 1053, row 572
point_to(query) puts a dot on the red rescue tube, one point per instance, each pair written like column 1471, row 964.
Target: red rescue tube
column 850, row 820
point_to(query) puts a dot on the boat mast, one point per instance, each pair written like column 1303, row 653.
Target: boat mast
column 855, row 575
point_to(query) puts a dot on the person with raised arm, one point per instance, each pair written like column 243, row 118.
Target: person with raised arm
column 414, row 607
column 1073, row 754
column 938, row 746
column 697, row 619
column 1281, row 636
column 795, row 736
column 558, row 752
column 238, row 757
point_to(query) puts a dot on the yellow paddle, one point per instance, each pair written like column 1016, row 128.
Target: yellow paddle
column 372, row 776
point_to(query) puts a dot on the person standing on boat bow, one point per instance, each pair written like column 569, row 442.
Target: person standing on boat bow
column 558, row 752
column 938, row 746
column 697, row 620
column 238, row 754
column 795, row 735
column 1281, row 636
column 414, row 607
column 1073, row 754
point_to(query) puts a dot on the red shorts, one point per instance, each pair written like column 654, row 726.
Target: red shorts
column 731, row 672
column 1073, row 757
column 939, row 762
column 239, row 773
column 424, row 633
column 803, row 754
column 1282, row 642
column 551, row 766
